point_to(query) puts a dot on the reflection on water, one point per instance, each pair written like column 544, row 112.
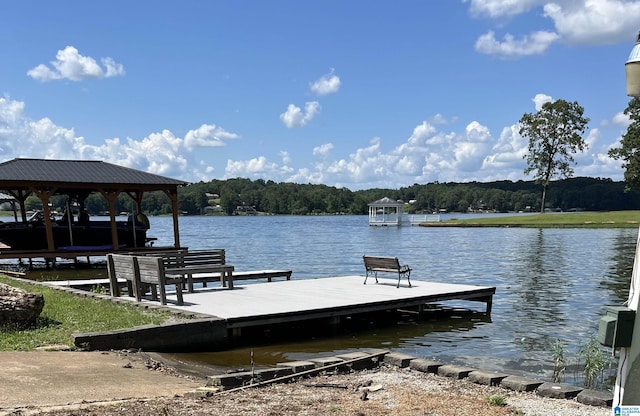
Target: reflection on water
column 551, row 283
column 617, row 279
column 306, row 341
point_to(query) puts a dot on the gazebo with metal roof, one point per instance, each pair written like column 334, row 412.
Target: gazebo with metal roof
column 45, row 178
column 385, row 211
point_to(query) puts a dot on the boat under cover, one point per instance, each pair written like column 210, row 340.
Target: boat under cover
column 89, row 235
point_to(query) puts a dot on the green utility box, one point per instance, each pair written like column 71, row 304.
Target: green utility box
column 616, row 327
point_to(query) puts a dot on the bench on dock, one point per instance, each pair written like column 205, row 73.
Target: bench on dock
column 375, row 264
column 140, row 272
column 122, row 267
column 197, row 265
column 204, row 263
column 151, row 271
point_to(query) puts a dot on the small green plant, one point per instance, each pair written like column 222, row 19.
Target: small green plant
column 559, row 361
column 99, row 289
column 595, row 362
column 496, row 400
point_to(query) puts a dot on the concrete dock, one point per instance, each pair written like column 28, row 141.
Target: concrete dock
column 284, row 301
column 220, row 314
column 223, row 313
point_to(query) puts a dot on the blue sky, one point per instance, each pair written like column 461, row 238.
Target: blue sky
column 356, row 94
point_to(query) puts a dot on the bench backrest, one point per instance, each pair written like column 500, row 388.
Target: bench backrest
column 373, row 262
column 121, row 266
column 150, row 269
column 186, row 258
column 171, row 258
column 202, row 258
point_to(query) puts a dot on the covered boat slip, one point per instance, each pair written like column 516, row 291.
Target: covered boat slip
column 330, row 297
column 77, row 179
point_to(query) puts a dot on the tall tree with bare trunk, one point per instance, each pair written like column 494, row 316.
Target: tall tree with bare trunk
column 555, row 135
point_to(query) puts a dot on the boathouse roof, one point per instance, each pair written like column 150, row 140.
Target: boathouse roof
column 385, row 202
column 78, row 174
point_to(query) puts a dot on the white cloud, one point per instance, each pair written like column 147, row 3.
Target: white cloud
column 286, row 157
column 507, row 153
column 428, row 154
column 421, row 132
column 322, row 150
column 162, row 153
column 621, row 119
column 575, row 22
column 327, row 84
column 257, row 167
column 438, row 119
column 207, row 135
column 594, row 22
column 69, row 64
column 540, row 100
column 501, row 8
column 408, row 165
column 595, row 161
column 295, row 117
column 534, row 44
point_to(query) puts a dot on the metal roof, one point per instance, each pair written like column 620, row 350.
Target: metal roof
column 78, row 174
column 386, row 202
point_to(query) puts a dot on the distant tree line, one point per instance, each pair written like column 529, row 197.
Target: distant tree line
column 242, row 196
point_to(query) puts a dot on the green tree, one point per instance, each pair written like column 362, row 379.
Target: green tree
column 229, row 200
column 555, row 134
column 629, row 150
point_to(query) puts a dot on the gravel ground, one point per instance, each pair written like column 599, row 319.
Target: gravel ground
column 382, row 391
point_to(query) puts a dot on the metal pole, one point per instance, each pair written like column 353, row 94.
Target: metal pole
column 69, row 221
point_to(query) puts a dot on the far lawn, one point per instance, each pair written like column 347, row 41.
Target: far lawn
column 610, row 219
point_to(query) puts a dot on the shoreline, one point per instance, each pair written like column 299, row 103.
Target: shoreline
column 382, row 390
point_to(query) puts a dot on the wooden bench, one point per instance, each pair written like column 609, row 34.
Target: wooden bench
column 199, row 265
column 122, row 267
column 151, row 271
column 373, row 265
column 142, row 271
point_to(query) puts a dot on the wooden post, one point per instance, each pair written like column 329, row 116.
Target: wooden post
column 44, row 197
column 111, row 196
column 173, row 196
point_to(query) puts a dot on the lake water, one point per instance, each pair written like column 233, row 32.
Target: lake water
column 552, row 284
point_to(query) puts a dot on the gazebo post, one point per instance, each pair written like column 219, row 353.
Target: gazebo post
column 173, row 196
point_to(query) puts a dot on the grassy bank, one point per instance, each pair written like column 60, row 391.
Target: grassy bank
column 610, row 219
column 65, row 313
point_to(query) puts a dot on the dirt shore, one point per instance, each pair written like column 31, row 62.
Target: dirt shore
column 116, row 383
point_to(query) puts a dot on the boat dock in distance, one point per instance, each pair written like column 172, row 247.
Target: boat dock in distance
column 223, row 313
